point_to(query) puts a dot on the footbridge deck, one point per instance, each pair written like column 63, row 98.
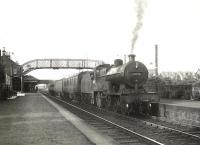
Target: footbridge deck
column 60, row 64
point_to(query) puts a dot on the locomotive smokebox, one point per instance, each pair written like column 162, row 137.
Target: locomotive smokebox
column 131, row 57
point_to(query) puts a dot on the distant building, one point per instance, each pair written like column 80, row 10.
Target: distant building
column 170, row 89
column 179, row 76
column 197, row 74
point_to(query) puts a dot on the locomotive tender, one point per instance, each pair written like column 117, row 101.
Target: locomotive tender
column 117, row 87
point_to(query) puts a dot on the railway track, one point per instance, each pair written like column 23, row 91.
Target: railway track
column 127, row 130
column 191, row 130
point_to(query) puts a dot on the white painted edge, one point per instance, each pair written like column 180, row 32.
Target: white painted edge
column 20, row 94
column 13, row 97
column 91, row 133
column 147, row 138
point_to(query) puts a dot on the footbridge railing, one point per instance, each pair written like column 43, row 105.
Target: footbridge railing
column 60, row 64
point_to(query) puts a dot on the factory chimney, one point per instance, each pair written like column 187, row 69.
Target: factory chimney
column 156, row 60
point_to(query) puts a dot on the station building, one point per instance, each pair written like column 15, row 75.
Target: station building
column 11, row 70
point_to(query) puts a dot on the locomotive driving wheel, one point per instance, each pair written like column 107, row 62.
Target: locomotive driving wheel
column 108, row 102
column 123, row 108
column 116, row 105
column 83, row 99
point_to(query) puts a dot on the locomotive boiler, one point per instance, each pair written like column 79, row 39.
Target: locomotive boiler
column 132, row 74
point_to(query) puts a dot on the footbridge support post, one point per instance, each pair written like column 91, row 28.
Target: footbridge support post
column 22, row 80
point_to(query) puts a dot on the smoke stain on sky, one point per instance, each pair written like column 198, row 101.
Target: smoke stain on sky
column 139, row 15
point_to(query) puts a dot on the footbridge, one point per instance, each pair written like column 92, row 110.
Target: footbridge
column 55, row 64
column 59, row 64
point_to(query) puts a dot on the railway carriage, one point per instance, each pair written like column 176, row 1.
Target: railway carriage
column 58, row 87
column 78, row 85
column 71, row 87
column 50, row 88
column 86, row 83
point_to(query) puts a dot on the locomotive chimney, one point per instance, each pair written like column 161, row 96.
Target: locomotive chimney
column 131, row 57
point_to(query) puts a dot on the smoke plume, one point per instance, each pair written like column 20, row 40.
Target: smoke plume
column 140, row 12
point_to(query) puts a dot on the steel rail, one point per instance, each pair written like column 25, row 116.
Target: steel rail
column 157, row 125
column 128, row 130
column 172, row 129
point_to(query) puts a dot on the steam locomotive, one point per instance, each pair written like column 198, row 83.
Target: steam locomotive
column 117, row 87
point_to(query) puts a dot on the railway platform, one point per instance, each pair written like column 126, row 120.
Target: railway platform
column 186, row 112
column 34, row 120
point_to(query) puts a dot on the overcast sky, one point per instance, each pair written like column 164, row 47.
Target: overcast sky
column 101, row 29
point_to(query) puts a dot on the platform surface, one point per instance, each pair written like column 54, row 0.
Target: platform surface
column 182, row 103
column 32, row 120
